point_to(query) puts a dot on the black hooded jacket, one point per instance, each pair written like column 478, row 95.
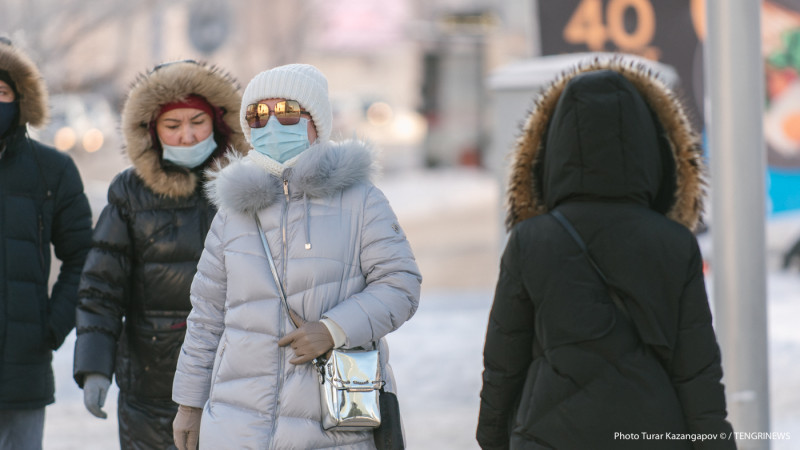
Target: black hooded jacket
column 41, row 203
column 608, row 147
column 134, row 289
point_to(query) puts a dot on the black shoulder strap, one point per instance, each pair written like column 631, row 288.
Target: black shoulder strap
column 577, row 238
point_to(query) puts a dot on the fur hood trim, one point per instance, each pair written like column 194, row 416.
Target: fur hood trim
column 321, row 171
column 170, row 83
column 30, row 85
column 523, row 201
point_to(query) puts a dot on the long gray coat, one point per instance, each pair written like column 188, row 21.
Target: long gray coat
column 340, row 254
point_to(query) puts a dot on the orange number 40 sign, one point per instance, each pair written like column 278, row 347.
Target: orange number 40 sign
column 593, row 26
column 669, row 31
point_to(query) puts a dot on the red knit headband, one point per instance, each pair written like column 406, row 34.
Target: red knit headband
column 192, row 101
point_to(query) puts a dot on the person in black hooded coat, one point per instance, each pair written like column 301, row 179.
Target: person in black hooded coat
column 609, row 147
column 41, row 203
column 134, row 289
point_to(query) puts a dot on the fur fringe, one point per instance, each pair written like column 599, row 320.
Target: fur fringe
column 320, row 172
column 170, row 83
column 523, row 200
column 30, row 85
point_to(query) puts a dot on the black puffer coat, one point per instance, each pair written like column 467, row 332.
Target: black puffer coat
column 145, row 250
column 564, row 368
column 41, row 202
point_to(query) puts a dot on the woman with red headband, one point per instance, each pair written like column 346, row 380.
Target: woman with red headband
column 134, row 291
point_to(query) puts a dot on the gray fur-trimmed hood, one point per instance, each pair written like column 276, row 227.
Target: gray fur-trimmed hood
column 30, row 85
column 321, row 171
column 170, row 83
column 524, row 197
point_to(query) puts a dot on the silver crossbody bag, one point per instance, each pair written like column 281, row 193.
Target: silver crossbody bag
column 350, row 379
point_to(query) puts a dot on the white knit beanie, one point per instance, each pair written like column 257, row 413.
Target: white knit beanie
column 301, row 82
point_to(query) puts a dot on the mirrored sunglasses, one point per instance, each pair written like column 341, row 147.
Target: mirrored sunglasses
column 287, row 112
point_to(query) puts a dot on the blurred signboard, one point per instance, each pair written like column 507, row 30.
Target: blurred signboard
column 667, row 31
column 209, row 24
column 672, row 32
column 361, row 25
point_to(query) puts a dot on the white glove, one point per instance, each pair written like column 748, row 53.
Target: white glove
column 95, row 389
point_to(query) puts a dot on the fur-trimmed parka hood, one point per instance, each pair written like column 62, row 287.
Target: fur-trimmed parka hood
column 607, row 130
column 29, row 83
column 168, row 83
column 322, row 170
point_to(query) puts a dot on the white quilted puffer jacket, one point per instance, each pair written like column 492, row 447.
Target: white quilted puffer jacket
column 340, row 253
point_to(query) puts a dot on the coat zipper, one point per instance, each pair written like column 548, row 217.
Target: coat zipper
column 285, row 226
column 282, row 330
column 47, row 196
column 204, row 223
column 41, row 243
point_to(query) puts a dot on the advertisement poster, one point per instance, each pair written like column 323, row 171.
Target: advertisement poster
column 780, row 44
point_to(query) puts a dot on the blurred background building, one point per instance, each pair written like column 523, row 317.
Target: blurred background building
column 407, row 74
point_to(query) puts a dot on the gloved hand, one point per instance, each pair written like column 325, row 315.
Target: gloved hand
column 310, row 340
column 186, row 427
column 95, row 389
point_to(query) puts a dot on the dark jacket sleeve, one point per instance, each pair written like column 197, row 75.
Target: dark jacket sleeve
column 507, row 353
column 103, row 290
column 696, row 368
column 71, row 237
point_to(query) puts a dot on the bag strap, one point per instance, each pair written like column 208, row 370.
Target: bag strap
column 617, row 301
column 278, row 284
column 319, row 361
column 577, row 238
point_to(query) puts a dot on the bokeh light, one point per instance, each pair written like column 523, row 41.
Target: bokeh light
column 65, row 139
column 93, row 140
column 379, row 114
column 409, row 127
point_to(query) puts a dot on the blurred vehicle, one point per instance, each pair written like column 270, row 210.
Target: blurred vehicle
column 80, row 122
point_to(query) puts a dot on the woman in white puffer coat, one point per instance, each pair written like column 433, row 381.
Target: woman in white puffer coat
column 342, row 257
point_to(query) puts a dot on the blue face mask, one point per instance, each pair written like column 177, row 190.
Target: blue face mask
column 8, row 111
column 280, row 142
column 190, row 157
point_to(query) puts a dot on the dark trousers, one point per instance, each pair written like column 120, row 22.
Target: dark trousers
column 21, row 429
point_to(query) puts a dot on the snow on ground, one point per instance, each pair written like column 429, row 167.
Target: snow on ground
column 783, row 311
column 437, row 355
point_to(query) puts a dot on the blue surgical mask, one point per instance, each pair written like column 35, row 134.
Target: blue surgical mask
column 8, row 111
column 190, row 157
column 280, row 142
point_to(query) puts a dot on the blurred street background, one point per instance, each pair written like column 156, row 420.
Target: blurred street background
column 440, row 87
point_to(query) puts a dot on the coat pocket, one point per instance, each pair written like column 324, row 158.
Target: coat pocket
column 215, row 369
column 155, row 346
column 26, row 323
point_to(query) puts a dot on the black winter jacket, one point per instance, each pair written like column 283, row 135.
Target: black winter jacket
column 144, row 256
column 41, row 202
column 564, row 367
column 134, row 290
